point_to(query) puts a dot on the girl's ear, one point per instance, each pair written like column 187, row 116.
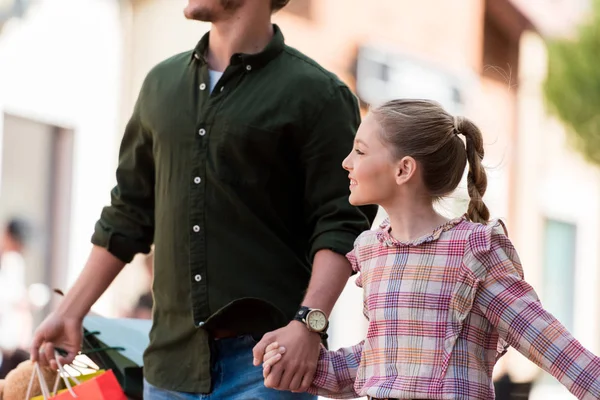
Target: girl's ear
column 405, row 169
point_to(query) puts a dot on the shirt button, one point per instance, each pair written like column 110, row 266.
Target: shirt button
column 196, row 228
column 202, row 132
column 198, row 278
column 197, row 180
column 249, row 67
column 202, row 86
column 222, row 87
column 199, row 324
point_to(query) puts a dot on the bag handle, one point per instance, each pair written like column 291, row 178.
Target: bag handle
column 62, row 374
column 65, row 375
column 43, row 386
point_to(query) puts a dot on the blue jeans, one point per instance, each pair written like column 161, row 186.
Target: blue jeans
column 234, row 377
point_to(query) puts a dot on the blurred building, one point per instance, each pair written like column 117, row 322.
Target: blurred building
column 70, row 71
column 557, row 222
column 60, row 81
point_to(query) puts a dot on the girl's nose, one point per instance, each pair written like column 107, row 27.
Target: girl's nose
column 346, row 163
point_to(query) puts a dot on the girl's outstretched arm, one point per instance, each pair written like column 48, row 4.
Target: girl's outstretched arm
column 514, row 308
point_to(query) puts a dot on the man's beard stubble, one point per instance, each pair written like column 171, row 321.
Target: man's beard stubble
column 207, row 14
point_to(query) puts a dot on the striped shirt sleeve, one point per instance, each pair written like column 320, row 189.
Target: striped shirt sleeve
column 336, row 372
column 514, row 308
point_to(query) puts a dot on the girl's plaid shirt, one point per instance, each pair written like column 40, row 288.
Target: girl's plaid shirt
column 441, row 310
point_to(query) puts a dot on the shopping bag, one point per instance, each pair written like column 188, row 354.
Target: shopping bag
column 99, row 385
column 103, row 386
column 73, row 380
column 130, row 336
column 118, row 344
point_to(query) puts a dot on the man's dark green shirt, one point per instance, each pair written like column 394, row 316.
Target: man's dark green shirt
column 237, row 188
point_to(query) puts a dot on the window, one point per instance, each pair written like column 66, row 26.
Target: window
column 503, row 25
column 383, row 75
column 559, row 270
column 35, row 183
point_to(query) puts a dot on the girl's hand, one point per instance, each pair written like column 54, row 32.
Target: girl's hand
column 273, row 354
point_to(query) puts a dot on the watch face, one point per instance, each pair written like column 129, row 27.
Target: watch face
column 317, row 320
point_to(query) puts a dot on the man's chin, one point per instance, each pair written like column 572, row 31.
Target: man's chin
column 196, row 14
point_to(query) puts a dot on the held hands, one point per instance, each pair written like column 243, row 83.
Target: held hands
column 273, row 354
column 295, row 371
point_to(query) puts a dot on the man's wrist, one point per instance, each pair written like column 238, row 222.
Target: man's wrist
column 303, row 326
column 70, row 310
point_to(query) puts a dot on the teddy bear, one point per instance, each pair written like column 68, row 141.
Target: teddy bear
column 14, row 386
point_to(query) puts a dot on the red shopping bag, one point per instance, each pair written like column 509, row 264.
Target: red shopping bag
column 102, row 387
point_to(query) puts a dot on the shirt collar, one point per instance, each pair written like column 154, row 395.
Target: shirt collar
column 250, row 61
column 385, row 237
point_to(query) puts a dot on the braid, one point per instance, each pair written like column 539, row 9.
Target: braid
column 476, row 178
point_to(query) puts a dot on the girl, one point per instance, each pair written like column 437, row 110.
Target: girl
column 444, row 298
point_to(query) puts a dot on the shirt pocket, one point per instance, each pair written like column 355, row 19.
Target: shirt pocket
column 461, row 304
column 245, row 155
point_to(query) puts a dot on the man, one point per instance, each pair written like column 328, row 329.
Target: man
column 231, row 165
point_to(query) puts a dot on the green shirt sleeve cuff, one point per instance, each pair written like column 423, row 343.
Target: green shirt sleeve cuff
column 119, row 246
column 340, row 242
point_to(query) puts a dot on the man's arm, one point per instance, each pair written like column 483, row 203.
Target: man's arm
column 330, row 274
column 334, row 224
column 125, row 228
column 100, row 270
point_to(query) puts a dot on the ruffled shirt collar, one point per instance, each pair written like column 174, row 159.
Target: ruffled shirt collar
column 385, row 237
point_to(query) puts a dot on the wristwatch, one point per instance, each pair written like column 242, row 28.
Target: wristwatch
column 314, row 319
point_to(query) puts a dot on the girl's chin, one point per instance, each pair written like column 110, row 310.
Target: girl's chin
column 356, row 200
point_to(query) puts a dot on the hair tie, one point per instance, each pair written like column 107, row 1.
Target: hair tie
column 456, row 130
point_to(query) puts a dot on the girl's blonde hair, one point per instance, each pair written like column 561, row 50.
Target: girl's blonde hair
column 423, row 130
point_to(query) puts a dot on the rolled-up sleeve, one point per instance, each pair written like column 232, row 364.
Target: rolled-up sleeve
column 126, row 226
column 333, row 221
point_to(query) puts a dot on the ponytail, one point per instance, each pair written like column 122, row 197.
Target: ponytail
column 476, row 178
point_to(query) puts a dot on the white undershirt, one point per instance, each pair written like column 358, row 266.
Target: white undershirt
column 214, row 77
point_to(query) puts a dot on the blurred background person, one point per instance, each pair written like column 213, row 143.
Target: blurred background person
column 15, row 313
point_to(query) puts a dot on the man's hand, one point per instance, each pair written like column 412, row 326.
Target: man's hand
column 57, row 332
column 63, row 328
column 295, row 371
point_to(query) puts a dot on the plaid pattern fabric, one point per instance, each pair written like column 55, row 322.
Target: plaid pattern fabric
column 441, row 310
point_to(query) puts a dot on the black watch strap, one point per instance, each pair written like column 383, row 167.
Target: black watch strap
column 301, row 316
